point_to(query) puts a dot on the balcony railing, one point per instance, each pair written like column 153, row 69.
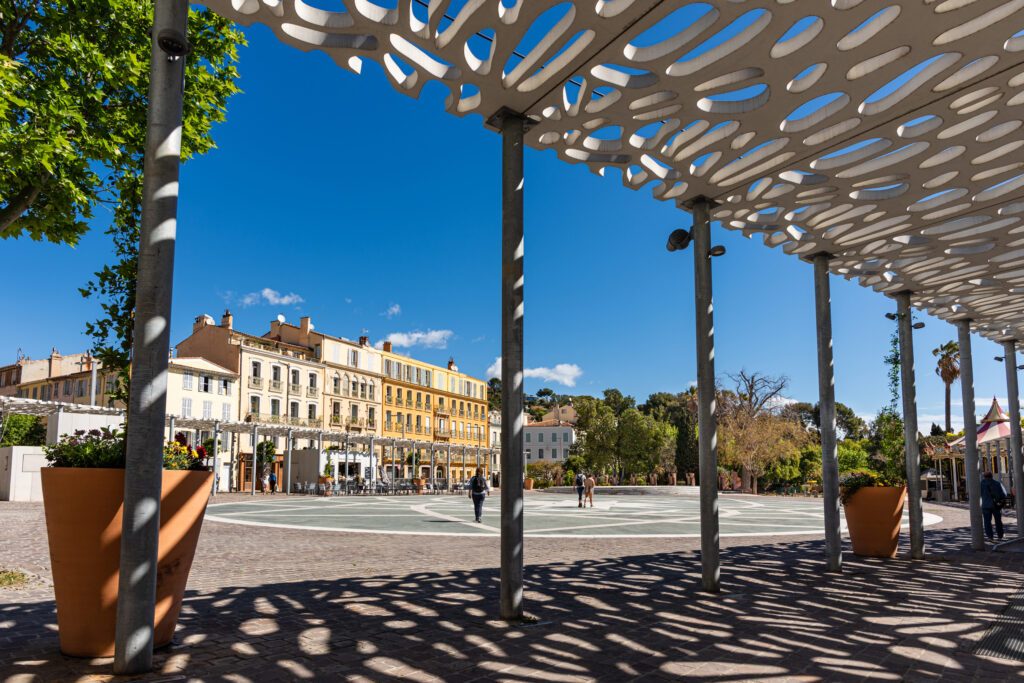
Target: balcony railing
column 255, row 382
column 311, row 392
column 441, row 410
column 284, row 420
column 337, row 419
column 275, row 385
column 295, row 388
column 419, row 405
column 355, row 422
column 389, row 400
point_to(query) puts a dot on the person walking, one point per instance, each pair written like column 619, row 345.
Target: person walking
column 992, row 496
column 273, row 483
column 478, row 489
column 588, row 489
column 265, row 483
column 580, row 482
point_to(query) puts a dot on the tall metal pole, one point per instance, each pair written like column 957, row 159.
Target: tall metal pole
column 288, row 463
column 373, row 458
column 706, row 412
column 913, row 456
column 971, row 463
column 170, row 428
column 512, row 400
column 448, row 473
column 140, row 528
column 827, row 414
column 433, row 483
column 1016, row 464
column 254, row 459
column 92, row 385
column 216, row 452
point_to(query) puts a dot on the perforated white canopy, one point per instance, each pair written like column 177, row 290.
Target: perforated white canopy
column 887, row 134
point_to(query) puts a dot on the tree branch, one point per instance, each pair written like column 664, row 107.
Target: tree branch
column 18, row 206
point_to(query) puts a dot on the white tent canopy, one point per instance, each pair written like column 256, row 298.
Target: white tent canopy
column 885, row 135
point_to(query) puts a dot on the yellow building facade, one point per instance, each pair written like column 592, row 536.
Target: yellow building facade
column 426, row 402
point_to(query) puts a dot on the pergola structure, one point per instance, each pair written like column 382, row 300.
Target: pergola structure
column 879, row 142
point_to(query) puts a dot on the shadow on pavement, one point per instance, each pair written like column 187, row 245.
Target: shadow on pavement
column 778, row 618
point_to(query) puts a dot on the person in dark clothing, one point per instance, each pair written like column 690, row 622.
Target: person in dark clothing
column 580, row 485
column 273, row 483
column 992, row 496
column 478, row 492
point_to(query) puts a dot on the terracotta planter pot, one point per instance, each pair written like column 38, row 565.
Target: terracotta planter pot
column 83, row 526
column 873, row 516
column 528, row 484
column 418, row 485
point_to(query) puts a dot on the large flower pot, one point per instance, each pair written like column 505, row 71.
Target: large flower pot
column 528, row 484
column 83, row 525
column 873, row 516
column 418, row 485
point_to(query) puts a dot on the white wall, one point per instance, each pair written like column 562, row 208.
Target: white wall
column 66, row 423
column 19, row 473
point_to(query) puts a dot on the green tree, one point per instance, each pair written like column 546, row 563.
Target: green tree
column 265, row 453
column 596, row 433
column 494, row 394
column 947, row 367
column 22, row 430
column 74, row 80
column 619, row 403
column 851, row 456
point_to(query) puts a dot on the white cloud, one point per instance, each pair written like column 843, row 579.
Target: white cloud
column 393, row 310
column 271, row 297
column 348, row 300
column 565, row 374
column 431, row 339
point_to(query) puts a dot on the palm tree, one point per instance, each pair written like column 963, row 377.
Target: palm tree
column 948, row 369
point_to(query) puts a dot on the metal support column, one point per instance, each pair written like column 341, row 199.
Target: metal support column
column 905, row 323
column 827, row 414
column 170, row 428
column 448, row 473
column 255, row 445
column 140, row 528
column 373, row 461
column 707, row 420
column 216, row 454
column 288, row 464
column 433, row 482
column 512, row 401
column 971, row 464
column 1016, row 464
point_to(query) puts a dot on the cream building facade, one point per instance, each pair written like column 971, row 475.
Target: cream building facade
column 351, row 397
column 200, row 389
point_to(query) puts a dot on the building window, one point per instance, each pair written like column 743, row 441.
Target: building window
column 206, row 384
column 565, row 437
column 529, row 454
column 354, row 411
column 275, row 406
column 372, row 392
column 275, row 373
column 225, row 387
column 565, row 452
column 527, row 437
column 355, row 388
column 540, row 437
column 294, row 409
column 254, row 405
column 337, row 384
column 207, row 410
column 257, row 369
column 186, row 380
column 353, row 358
column 295, row 377
column 81, row 388
column 312, row 380
column 371, row 415
column 311, row 411
column 186, row 407
column 540, row 453
column 225, row 412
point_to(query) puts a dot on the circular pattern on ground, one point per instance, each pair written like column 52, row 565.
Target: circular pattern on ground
column 547, row 516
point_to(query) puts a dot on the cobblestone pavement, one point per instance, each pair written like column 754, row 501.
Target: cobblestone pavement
column 268, row 604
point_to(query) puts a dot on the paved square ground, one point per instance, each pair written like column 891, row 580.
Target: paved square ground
column 276, row 604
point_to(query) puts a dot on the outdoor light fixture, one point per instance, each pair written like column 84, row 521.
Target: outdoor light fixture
column 918, row 326
column 1000, row 359
column 678, row 240
column 173, row 43
column 717, row 250
column 891, row 316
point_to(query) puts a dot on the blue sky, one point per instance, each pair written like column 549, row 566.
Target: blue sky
column 367, row 209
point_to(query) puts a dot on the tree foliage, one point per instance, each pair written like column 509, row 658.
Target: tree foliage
column 22, row 430
column 74, row 81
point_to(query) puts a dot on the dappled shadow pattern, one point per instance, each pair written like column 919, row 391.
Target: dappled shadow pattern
column 778, row 618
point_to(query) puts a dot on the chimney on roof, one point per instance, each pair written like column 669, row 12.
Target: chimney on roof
column 198, row 323
column 227, row 320
column 451, row 365
column 364, row 341
column 305, row 326
column 387, row 346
